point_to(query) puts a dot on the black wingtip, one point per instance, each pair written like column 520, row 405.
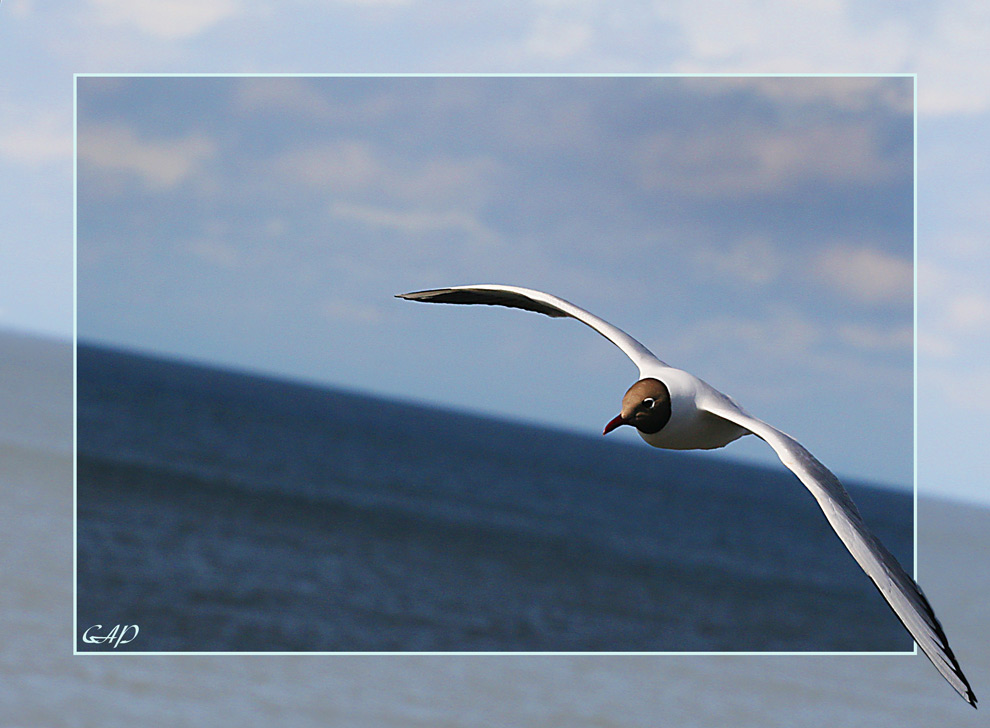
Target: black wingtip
column 419, row 295
column 489, row 296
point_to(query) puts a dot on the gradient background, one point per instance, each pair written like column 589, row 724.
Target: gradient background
column 41, row 46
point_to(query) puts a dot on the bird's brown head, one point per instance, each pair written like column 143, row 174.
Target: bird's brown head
column 645, row 406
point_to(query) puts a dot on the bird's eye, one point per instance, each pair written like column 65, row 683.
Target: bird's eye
column 649, row 402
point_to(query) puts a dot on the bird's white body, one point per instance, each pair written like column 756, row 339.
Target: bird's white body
column 691, row 425
column 701, row 418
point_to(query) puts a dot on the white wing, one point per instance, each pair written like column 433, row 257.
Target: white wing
column 525, row 298
column 900, row 590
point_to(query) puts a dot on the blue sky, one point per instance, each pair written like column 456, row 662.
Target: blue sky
column 758, row 232
column 941, row 41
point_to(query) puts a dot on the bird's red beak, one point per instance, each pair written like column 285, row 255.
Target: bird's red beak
column 613, row 424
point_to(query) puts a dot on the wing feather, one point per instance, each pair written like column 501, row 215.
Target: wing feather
column 901, row 591
column 530, row 300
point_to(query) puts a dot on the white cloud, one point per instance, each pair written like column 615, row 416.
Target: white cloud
column 954, row 306
column 865, row 275
column 348, row 166
column 756, row 159
column 416, row 222
column 557, row 39
column 969, row 312
column 159, row 163
column 169, row 20
column 944, row 42
column 19, row 8
column 953, row 322
column 935, row 344
column 282, row 96
column 874, row 338
column 727, row 34
column 967, row 389
column 41, row 140
column 339, row 166
column 781, row 335
column 950, row 56
column 850, row 93
column 954, row 326
column 753, row 260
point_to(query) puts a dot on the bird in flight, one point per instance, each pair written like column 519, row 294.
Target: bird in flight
column 676, row 410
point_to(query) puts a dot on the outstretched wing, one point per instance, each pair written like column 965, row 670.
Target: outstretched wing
column 530, row 300
column 898, row 588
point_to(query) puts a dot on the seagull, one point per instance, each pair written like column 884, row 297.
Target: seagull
column 676, row 410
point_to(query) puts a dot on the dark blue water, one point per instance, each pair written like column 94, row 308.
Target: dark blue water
column 220, row 511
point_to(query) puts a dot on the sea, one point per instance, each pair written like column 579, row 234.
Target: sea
column 223, row 511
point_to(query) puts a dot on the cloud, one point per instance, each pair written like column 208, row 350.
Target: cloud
column 19, row 8
column 969, row 311
column 848, row 93
column 37, row 141
column 415, row 222
column 782, row 334
column 943, row 42
column 935, row 344
column 950, row 57
column 955, row 313
column 754, row 159
column 168, row 20
column 954, row 326
column 865, row 275
column 753, row 261
column 282, row 96
column 966, row 389
column 557, row 39
column 352, row 166
column 159, row 164
column 868, row 337
column 340, row 165
column 728, row 34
